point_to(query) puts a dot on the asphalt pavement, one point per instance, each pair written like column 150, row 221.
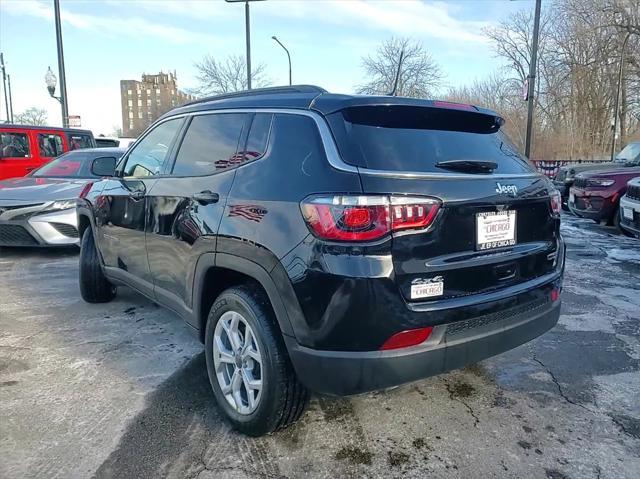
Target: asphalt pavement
column 120, row 390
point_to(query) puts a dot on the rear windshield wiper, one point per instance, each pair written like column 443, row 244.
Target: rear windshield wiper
column 472, row 166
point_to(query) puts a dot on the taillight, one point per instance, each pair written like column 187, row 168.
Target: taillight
column 556, row 202
column 85, row 190
column 366, row 218
column 405, row 339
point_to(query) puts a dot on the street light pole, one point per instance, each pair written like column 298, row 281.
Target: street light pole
column 61, row 72
column 616, row 104
column 288, row 56
column 247, row 32
column 4, row 81
column 532, row 78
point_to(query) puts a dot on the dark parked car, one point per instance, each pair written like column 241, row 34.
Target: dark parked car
column 566, row 174
column 630, row 208
column 596, row 194
column 40, row 209
column 323, row 242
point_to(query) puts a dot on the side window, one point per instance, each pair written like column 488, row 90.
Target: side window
column 304, row 145
column 258, row 136
column 78, row 140
column 50, row 145
column 14, row 145
column 148, row 156
column 210, row 144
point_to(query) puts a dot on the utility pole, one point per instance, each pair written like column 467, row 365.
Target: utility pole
column 61, row 72
column 10, row 99
column 616, row 104
column 394, row 92
column 532, row 78
column 4, row 82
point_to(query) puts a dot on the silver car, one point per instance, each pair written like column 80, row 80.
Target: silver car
column 40, row 209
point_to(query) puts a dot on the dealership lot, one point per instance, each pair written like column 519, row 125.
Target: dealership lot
column 120, row 390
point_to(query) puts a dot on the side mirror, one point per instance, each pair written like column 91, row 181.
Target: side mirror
column 104, row 166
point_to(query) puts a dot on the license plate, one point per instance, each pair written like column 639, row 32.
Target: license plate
column 627, row 213
column 427, row 290
column 495, row 230
column 572, row 198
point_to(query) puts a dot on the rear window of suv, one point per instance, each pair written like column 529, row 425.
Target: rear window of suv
column 414, row 139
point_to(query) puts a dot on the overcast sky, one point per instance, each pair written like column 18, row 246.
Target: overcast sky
column 106, row 41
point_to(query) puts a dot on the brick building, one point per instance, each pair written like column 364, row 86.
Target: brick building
column 145, row 101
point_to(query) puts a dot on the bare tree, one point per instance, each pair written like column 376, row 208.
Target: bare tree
column 576, row 78
column 419, row 74
column 32, row 116
column 227, row 75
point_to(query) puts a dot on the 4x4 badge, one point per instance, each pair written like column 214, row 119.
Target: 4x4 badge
column 507, row 189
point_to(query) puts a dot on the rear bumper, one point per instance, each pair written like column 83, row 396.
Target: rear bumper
column 346, row 373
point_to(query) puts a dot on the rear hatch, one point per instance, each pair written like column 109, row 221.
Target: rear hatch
column 495, row 227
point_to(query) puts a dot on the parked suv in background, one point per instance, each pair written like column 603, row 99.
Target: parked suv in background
column 24, row 148
column 596, row 194
column 629, row 156
column 333, row 243
column 630, row 208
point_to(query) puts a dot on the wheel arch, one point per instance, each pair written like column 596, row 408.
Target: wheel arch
column 216, row 272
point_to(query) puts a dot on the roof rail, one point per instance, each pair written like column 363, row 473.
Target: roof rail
column 262, row 91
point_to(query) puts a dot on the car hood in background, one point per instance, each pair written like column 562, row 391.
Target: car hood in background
column 629, row 171
column 579, row 168
column 41, row 189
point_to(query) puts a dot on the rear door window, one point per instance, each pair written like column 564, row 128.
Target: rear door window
column 50, row 145
column 414, row 139
column 210, row 144
column 14, row 145
column 79, row 140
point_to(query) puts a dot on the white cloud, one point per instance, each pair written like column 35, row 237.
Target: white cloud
column 128, row 26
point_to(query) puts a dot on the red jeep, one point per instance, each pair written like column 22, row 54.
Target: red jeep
column 23, row 148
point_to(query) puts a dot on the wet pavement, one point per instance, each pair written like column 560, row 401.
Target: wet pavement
column 120, row 390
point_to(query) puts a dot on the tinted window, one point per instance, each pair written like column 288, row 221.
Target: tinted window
column 79, row 140
column 14, row 145
column 106, row 142
column 295, row 140
column 258, row 136
column 629, row 154
column 50, row 145
column 210, row 144
column 70, row 165
column 416, row 138
column 148, row 156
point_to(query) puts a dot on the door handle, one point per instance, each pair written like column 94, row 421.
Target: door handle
column 206, row 197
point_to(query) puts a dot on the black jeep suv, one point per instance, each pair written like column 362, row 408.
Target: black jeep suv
column 332, row 243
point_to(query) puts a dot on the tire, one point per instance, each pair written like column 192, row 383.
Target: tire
column 615, row 220
column 282, row 398
column 94, row 286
